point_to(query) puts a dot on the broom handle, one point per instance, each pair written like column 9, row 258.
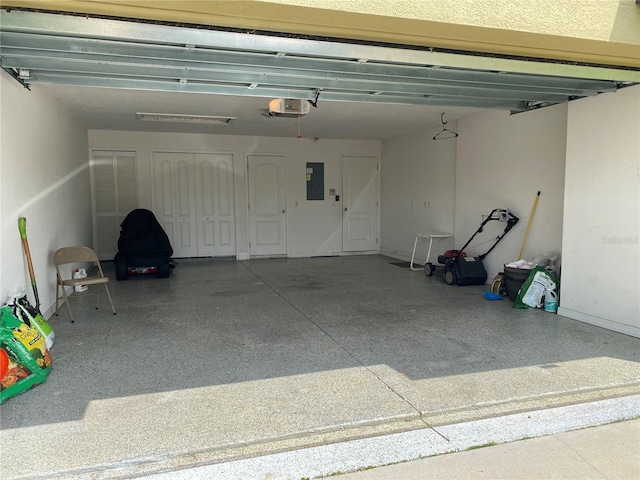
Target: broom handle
column 526, row 234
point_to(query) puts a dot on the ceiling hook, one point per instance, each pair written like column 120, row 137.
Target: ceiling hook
column 445, row 133
column 314, row 103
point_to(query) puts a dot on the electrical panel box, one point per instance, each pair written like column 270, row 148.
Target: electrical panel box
column 315, row 181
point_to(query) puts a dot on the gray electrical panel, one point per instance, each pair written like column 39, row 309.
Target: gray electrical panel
column 315, row 181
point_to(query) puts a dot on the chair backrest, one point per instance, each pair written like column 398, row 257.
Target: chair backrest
column 66, row 255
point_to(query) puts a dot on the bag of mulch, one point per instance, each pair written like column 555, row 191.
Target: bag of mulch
column 23, row 310
column 25, row 360
column 534, row 288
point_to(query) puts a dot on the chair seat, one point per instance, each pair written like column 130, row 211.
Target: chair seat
column 73, row 282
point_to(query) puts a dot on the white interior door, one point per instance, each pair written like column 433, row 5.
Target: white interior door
column 215, row 204
column 267, row 205
column 360, row 204
column 174, row 200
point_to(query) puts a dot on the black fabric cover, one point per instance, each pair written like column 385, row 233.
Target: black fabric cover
column 143, row 242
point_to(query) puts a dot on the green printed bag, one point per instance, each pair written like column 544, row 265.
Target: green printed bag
column 533, row 289
column 23, row 310
column 25, row 360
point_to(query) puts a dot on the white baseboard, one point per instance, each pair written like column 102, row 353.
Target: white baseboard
column 600, row 322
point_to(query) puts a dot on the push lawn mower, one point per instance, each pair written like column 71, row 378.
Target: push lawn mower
column 462, row 270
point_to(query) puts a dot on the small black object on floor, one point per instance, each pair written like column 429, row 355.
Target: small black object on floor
column 401, row 264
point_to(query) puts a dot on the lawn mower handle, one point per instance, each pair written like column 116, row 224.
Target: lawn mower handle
column 511, row 220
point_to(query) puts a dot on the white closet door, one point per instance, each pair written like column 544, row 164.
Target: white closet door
column 215, row 205
column 174, row 200
column 115, row 194
column 163, row 207
column 360, row 202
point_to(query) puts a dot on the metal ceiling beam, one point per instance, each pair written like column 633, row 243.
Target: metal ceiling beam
column 76, row 26
column 504, row 86
column 71, row 50
column 191, row 57
column 170, row 85
column 285, row 82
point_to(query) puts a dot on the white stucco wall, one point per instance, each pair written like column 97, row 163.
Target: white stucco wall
column 502, row 162
column 601, row 250
column 498, row 161
column 313, row 227
column 418, row 192
column 45, row 178
column 608, row 20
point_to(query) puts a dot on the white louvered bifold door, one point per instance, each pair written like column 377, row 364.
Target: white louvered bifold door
column 115, row 194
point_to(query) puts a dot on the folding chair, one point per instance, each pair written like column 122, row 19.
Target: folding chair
column 70, row 255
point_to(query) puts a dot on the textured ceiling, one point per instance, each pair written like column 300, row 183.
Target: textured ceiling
column 115, row 109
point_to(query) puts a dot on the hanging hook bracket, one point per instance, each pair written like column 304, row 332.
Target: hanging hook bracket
column 314, row 102
column 445, row 132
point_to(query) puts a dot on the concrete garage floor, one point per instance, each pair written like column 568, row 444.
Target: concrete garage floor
column 227, row 361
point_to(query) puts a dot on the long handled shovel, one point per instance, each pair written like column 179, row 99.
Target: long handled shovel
column 22, row 226
column 32, row 315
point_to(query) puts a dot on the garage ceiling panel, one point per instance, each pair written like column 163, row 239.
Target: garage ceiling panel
column 72, row 50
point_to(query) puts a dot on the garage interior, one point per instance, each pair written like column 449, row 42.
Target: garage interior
column 330, row 341
column 234, row 362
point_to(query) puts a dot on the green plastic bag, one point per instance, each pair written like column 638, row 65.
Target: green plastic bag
column 534, row 288
column 25, row 360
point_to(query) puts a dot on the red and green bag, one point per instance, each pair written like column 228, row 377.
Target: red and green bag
column 25, row 360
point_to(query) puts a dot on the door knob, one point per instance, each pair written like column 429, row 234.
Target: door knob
column 345, row 209
column 284, row 211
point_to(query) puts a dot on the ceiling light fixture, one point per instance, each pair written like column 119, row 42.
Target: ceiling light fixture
column 184, row 118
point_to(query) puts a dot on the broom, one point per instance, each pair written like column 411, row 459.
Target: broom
column 526, row 234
